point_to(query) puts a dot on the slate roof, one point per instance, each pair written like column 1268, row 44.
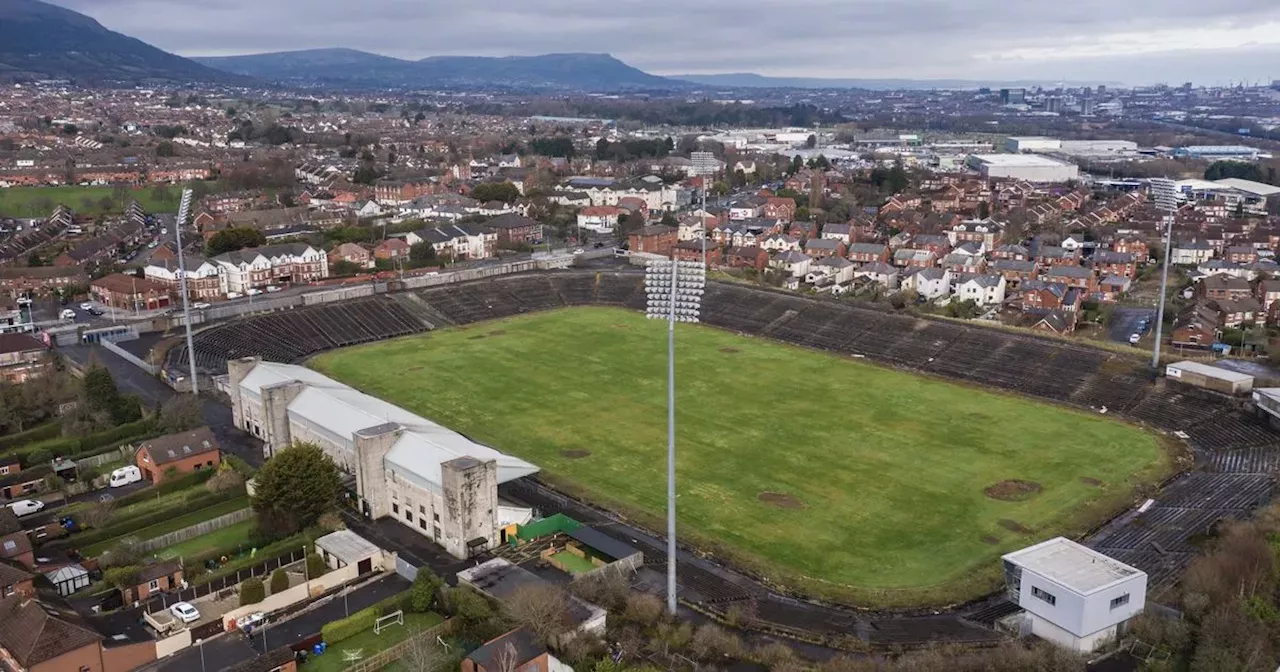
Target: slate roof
column 173, row 447
column 525, row 644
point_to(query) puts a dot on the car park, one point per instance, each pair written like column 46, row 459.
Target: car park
column 25, row 507
column 183, row 611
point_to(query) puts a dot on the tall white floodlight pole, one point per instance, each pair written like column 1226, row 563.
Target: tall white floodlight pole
column 675, row 294
column 184, row 211
column 1165, row 193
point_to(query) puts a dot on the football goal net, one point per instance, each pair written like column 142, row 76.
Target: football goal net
column 384, row 622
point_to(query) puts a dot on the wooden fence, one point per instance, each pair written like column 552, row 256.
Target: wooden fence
column 395, row 652
column 193, row 531
column 229, row 581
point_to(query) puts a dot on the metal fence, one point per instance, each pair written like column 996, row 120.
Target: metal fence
column 193, row 531
column 228, row 582
column 403, row 568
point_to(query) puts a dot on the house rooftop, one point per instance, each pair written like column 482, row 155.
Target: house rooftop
column 1071, row 565
column 347, row 546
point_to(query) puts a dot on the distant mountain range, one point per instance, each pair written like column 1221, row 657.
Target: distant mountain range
column 43, row 41
column 739, row 80
column 349, row 67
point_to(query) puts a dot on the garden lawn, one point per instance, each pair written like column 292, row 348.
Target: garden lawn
column 35, row 201
column 228, row 539
column 825, row 473
column 369, row 643
column 173, row 524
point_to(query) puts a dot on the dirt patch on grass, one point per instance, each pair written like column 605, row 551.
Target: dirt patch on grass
column 1091, row 481
column 1014, row 526
column 620, row 326
column 498, row 332
column 576, row 454
column 780, row 500
column 730, row 351
column 988, row 539
column 476, row 337
column 1013, row 490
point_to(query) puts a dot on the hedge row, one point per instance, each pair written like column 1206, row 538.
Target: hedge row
column 135, row 523
column 167, row 486
column 46, row 431
column 77, row 447
column 349, row 627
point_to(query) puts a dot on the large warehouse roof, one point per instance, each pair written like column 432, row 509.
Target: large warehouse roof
column 1018, row 160
column 343, row 411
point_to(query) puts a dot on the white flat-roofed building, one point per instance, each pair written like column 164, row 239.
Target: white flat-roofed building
column 1074, row 596
column 1242, row 152
column 1029, row 167
column 430, row 478
column 1031, row 143
column 1210, row 377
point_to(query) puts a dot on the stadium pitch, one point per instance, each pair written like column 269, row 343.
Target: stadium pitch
column 832, row 476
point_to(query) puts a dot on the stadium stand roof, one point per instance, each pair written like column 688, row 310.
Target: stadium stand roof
column 343, row 411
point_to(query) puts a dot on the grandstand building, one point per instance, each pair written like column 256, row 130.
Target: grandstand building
column 432, row 479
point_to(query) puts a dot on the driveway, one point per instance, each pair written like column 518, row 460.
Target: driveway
column 233, row 648
column 1124, row 321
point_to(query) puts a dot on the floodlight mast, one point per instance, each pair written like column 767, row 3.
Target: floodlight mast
column 1165, row 192
column 675, row 298
column 184, row 211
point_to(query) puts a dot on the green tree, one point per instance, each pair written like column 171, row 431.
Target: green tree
column 669, row 219
column 70, row 129
column 252, row 591
column 796, row 164
column 425, row 591
column 230, row 240
column 628, row 224
column 279, row 581
column 495, row 191
column 166, row 149
column 294, row 488
column 422, row 253
column 344, row 267
column 811, row 141
column 315, row 566
column 365, row 174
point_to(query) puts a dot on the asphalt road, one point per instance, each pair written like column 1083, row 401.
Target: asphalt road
column 1124, row 322
column 54, row 508
column 233, row 648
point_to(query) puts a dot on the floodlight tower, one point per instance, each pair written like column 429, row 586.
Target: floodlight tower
column 1165, row 193
column 675, row 291
column 184, row 211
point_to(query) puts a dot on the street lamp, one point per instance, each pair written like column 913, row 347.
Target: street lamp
column 184, row 211
column 1165, row 193
column 675, row 291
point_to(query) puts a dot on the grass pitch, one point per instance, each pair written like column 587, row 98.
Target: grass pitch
column 827, row 474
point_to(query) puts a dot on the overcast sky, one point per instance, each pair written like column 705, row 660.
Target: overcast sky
column 1133, row 41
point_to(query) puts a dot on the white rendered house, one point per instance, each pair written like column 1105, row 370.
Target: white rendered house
column 1074, row 596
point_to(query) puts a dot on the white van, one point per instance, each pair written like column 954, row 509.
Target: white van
column 24, row 507
column 125, row 476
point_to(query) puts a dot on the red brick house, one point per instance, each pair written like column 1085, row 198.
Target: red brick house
column 779, row 208
column 515, row 651
column 655, row 239
column 867, row 253
column 392, row 248
column 351, row 253
column 45, row 634
column 154, row 579
column 1038, row 297
column 1073, row 276
column 14, row 580
column 1133, row 245
column 21, row 358
column 1241, row 254
column 691, row 250
column 1225, row 287
column 1120, row 264
column 185, row 452
column 19, row 280
column 130, row 292
column 515, row 229
column 15, row 545
column 746, row 257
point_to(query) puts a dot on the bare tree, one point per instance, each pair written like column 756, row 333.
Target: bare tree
column 542, row 609
column 98, row 513
column 507, row 660
column 423, row 654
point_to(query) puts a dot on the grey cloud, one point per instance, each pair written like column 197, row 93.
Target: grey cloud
column 838, row 38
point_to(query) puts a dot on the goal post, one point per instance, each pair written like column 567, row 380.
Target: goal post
column 394, row 618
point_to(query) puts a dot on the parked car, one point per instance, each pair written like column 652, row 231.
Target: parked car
column 25, row 507
column 96, row 312
column 67, row 314
column 184, row 612
column 1134, row 338
column 233, row 295
column 274, row 288
column 86, row 305
column 201, row 305
column 125, row 476
column 253, row 291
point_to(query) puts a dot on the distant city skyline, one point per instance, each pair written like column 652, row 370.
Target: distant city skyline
column 1170, row 41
